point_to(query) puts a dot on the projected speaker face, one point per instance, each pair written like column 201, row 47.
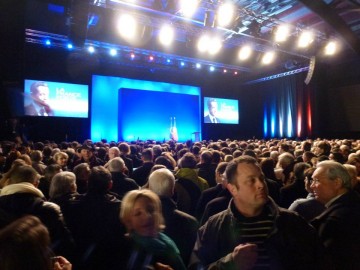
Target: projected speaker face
column 127, row 110
column 44, row 98
column 221, row 111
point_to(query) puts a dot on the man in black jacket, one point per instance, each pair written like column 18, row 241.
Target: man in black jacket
column 338, row 226
column 254, row 233
column 180, row 226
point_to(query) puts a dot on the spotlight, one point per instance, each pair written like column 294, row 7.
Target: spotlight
column 235, row 72
column 225, row 70
column 267, row 58
column 245, row 52
column 198, row 66
column 211, row 68
column 203, row 43
column 168, row 61
column 127, row 26
column 330, row 48
column 182, row 64
column 305, row 39
column 166, row 35
column 91, row 49
column 188, row 7
column 113, row 52
column 132, row 56
column 225, row 14
column 214, row 46
column 281, row 33
column 47, row 42
column 151, row 58
column 69, row 46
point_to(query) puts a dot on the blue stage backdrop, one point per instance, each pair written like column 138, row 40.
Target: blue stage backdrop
column 125, row 109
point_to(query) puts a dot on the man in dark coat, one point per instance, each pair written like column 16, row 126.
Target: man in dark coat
column 254, row 232
column 180, row 226
column 338, row 226
column 141, row 174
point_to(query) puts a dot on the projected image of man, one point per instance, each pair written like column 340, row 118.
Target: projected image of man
column 39, row 105
column 211, row 117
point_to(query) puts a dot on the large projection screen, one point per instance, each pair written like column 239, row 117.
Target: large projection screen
column 125, row 109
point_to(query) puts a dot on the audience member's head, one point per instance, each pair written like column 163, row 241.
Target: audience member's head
column 162, row 182
column 99, row 180
column 62, row 184
column 137, row 204
column 25, row 245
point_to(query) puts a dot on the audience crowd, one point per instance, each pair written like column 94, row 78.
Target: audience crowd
column 226, row 204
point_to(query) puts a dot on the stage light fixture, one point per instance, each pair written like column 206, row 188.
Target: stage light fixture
column 212, row 68
column 113, row 52
column 166, row 35
column 182, row 64
column 198, row 65
column 214, row 45
column 48, row 42
column 225, row 14
column 281, row 33
column 151, row 58
column 188, row 7
column 127, row 26
column 91, row 49
column 225, row 70
column 330, row 48
column 69, row 46
column 132, row 56
column 235, row 72
column 203, row 43
column 305, row 39
column 245, row 52
column 268, row 57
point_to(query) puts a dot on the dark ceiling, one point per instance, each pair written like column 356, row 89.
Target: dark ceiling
column 91, row 22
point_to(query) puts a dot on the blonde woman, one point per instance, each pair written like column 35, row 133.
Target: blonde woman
column 142, row 216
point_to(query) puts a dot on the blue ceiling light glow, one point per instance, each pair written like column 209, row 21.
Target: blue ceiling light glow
column 211, row 68
column 91, row 49
column 113, row 52
column 182, row 64
column 48, row 42
column 69, row 46
column 198, row 66
column 168, row 61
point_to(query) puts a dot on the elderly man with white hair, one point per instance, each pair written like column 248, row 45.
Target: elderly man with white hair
column 180, row 226
column 121, row 182
column 338, row 226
